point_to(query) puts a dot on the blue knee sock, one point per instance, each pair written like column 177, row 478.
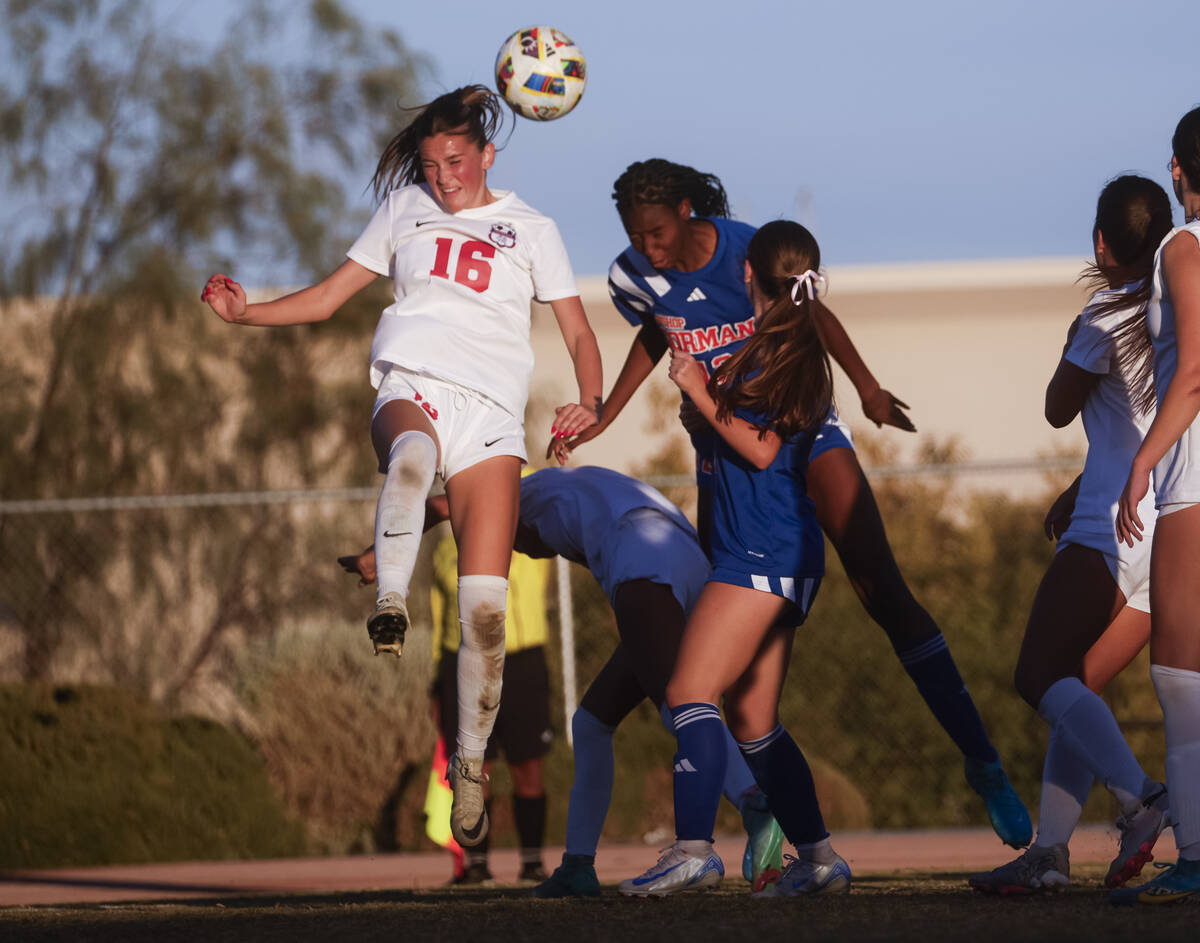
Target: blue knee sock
column 782, row 772
column 699, row 769
column 591, row 792
column 738, row 778
column 933, row 670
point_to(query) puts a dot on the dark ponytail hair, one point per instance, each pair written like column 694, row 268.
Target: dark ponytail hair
column 782, row 371
column 473, row 110
column 658, row 181
column 1185, row 144
column 1134, row 216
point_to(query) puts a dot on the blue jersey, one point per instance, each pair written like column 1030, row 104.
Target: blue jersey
column 706, row 312
column 764, row 529
column 619, row 528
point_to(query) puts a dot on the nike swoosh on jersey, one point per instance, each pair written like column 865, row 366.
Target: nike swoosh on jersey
column 424, row 222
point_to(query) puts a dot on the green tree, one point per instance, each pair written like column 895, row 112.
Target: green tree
column 135, row 160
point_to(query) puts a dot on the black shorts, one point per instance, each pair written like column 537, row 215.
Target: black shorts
column 523, row 722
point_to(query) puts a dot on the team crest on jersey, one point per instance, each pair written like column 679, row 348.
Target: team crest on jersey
column 503, row 235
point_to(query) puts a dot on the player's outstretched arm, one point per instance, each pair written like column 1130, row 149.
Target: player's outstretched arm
column 315, row 303
column 878, row 404
column 573, row 418
column 644, row 353
column 760, row 450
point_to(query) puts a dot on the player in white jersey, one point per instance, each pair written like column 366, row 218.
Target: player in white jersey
column 1091, row 615
column 1172, row 450
column 451, row 361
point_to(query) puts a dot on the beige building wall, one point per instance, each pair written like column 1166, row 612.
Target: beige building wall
column 970, row 346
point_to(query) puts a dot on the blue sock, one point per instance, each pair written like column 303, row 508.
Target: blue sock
column 699, row 769
column 933, row 670
column 591, row 792
column 738, row 777
column 783, row 773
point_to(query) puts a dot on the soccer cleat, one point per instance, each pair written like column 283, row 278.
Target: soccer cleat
column 1039, row 868
column 675, row 871
column 468, row 816
column 388, row 623
column 809, row 877
column 1139, row 831
column 1005, row 809
column 475, row 874
column 575, row 877
column 764, row 841
column 533, row 872
column 1177, row 882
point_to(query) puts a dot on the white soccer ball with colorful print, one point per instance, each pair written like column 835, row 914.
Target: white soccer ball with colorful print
column 540, row 72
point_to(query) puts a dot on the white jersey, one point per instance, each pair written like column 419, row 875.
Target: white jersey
column 463, row 285
column 1177, row 475
column 618, row 527
column 1114, row 433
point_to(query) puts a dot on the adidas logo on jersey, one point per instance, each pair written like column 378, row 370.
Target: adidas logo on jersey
column 697, row 295
column 685, row 766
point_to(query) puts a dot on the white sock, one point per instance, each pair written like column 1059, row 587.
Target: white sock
column 1085, row 726
column 1066, row 782
column 481, row 610
column 400, row 514
column 1179, row 694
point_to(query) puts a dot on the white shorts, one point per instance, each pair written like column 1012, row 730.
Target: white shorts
column 1130, row 570
column 470, row 427
column 1165, row 509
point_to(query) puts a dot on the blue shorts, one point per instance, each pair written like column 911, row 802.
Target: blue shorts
column 800, row 591
column 646, row 544
column 834, row 434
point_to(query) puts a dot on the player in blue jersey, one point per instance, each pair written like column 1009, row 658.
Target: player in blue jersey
column 647, row 558
column 682, row 283
column 766, row 404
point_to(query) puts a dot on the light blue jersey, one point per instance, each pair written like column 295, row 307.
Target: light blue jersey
column 619, row 528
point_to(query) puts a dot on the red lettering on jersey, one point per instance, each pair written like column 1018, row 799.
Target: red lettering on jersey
column 472, row 269
column 429, row 409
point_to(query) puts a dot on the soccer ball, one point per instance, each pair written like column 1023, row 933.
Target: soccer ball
column 540, row 72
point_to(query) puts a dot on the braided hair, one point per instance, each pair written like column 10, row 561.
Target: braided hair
column 663, row 183
column 473, row 110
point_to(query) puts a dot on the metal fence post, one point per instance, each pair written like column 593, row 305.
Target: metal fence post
column 566, row 626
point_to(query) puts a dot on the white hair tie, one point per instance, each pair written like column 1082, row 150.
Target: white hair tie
column 806, row 283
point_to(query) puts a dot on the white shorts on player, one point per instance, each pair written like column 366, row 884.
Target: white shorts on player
column 470, row 427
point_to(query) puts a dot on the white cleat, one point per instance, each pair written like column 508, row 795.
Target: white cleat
column 468, row 815
column 809, row 877
column 676, row 871
column 388, row 623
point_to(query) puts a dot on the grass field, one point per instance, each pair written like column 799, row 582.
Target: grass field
column 920, row 907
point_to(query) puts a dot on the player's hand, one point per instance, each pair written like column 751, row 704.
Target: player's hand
column 686, row 372
column 572, row 419
column 1058, row 518
column 560, row 449
column 882, row 408
column 362, row 565
column 1129, row 525
column 226, row 297
column 692, row 419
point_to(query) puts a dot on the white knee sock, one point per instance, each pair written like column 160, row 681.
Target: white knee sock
column 1066, row 782
column 1179, row 694
column 1084, row 725
column 400, row 514
column 481, row 611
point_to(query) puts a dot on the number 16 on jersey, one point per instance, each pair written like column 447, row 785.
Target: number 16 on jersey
column 471, row 268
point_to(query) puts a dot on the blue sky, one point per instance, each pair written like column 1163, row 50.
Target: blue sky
column 926, row 130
